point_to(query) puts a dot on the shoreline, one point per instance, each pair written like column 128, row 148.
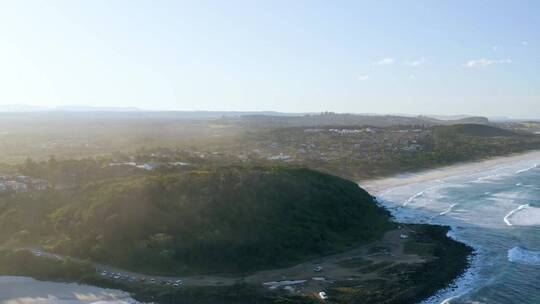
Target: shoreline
column 461, row 284
column 376, row 187
column 27, row 290
column 379, row 185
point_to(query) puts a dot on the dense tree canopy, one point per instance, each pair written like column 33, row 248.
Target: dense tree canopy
column 222, row 219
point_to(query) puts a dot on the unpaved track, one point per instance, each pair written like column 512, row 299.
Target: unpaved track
column 331, row 270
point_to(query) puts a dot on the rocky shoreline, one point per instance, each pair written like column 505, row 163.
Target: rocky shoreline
column 445, row 260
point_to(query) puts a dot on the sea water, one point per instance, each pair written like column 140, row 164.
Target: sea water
column 22, row 290
column 497, row 212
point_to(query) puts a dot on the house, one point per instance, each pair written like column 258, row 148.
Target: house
column 281, row 156
column 149, row 166
column 39, row 184
column 16, row 186
column 23, row 179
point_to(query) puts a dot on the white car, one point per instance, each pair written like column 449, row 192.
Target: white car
column 323, row 295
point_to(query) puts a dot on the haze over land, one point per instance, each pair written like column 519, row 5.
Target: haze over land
column 269, row 152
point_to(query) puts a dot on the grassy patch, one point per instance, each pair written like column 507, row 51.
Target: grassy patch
column 376, row 266
column 355, row 263
column 420, row 249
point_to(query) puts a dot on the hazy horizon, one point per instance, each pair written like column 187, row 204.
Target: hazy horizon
column 26, row 108
column 453, row 58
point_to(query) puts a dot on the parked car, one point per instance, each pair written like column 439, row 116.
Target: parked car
column 323, row 295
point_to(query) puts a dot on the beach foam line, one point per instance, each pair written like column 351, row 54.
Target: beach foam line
column 448, row 301
column 462, row 284
column 466, row 282
column 412, row 198
column 507, row 217
column 418, row 194
column 487, row 177
column 527, row 169
column 448, row 210
column 523, row 256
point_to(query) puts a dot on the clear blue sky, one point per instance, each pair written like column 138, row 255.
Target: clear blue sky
column 442, row 57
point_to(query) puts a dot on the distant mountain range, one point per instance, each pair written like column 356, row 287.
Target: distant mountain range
column 259, row 118
column 333, row 119
column 74, row 108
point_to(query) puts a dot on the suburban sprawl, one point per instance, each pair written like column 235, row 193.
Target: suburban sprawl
column 232, row 207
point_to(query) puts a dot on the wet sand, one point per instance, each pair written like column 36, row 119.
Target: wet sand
column 376, row 186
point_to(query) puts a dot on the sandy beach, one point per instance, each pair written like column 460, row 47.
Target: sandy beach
column 376, row 186
column 22, row 290
column 491, row 205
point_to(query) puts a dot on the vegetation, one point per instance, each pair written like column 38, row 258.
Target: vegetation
column 396, row 283
column 240, row 202
column 230, row 219
column 224, row 220
column 409, row 284
column 359, row 152
column 24, row 263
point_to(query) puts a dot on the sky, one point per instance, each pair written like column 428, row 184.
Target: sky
column 413, row 57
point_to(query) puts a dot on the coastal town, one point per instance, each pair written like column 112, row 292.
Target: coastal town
column 21, row 184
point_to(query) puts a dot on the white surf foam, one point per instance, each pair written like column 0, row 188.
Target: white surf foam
column 421, row 193
column 412, row 198
column 526, row 217
column 507, row 216
column 527, row 169
column 23, row 290
column 463, row 284
column 487, row 178
column 448, row 210
column 524, row 256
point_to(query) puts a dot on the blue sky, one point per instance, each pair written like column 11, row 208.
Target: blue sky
column 431, row 57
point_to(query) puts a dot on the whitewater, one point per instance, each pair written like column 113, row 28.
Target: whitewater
column 495, row 210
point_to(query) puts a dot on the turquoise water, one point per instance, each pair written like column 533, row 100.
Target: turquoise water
column 497, row 212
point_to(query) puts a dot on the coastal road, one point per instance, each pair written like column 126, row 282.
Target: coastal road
column 300, row 277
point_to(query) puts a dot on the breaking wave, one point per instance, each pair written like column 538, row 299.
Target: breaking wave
column 507, row 217
column 523, row 256
column 527, row 169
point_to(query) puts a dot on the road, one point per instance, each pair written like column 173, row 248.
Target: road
column 299, row 278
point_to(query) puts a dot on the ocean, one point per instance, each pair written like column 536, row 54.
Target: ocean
column 21, row 290
column 495, row 211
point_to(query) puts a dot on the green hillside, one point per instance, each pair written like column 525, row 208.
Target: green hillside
column 221, row 220
column 474, row 130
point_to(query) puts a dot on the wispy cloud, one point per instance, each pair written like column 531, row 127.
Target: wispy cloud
column 416, row 63
column 385, row 61
column 363, row 77
column 480, row 63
